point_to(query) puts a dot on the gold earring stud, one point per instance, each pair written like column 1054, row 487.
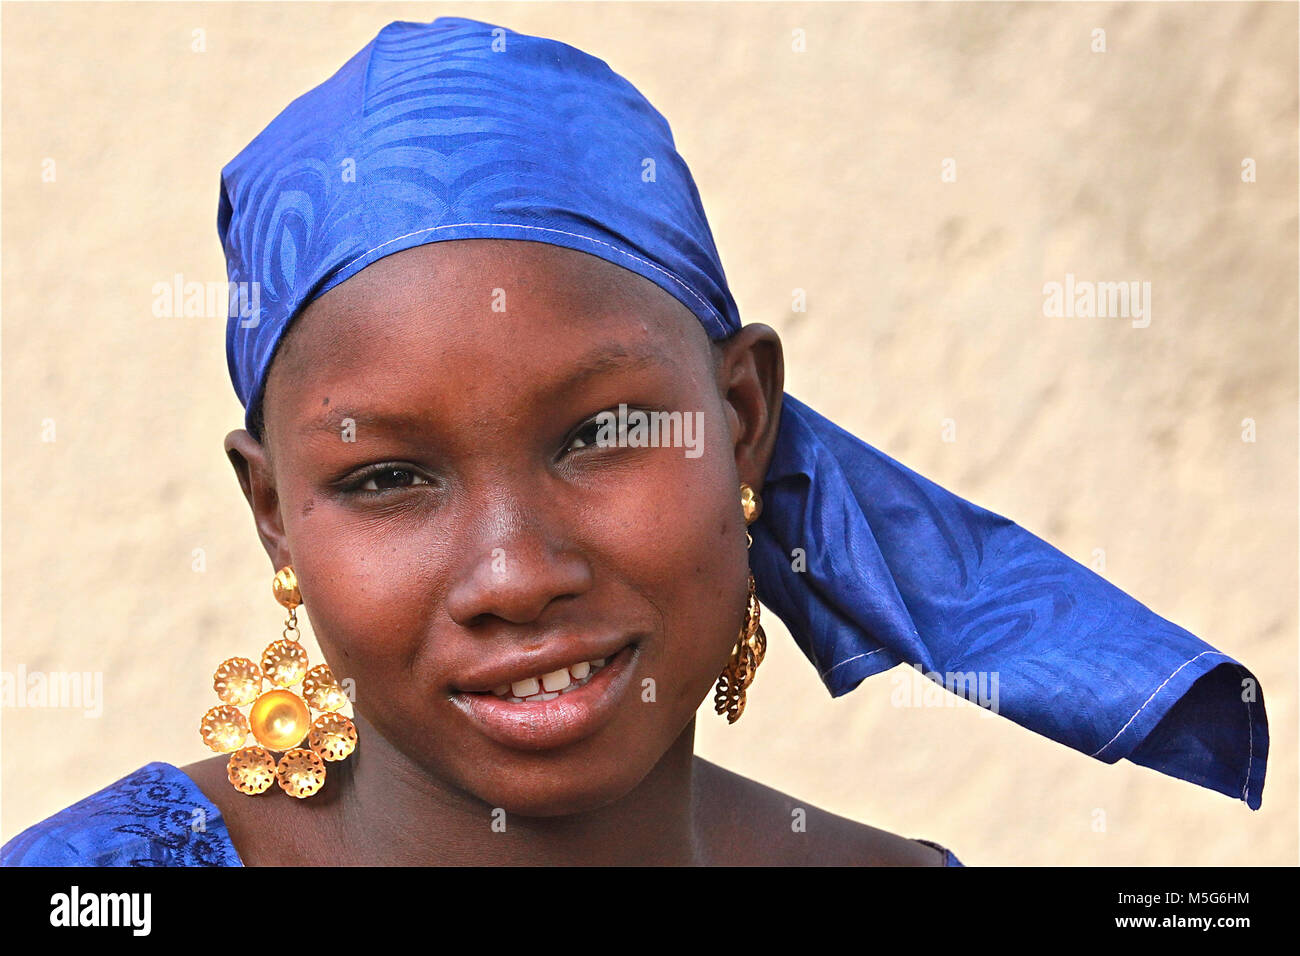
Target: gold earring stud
column 752, row 506
column 279, row 719
column 751, row 645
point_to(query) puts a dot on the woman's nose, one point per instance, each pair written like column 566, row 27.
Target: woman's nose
column 517, row 561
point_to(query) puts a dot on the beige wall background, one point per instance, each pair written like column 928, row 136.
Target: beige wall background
column 820, row 170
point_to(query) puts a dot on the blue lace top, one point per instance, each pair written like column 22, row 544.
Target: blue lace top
column 156, row 816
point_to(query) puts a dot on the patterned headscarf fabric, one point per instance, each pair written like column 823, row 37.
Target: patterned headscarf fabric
column 460, row 129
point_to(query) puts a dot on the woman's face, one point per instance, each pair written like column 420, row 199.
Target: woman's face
column 437, row 481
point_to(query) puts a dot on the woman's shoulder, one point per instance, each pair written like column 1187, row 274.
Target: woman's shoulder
column 154, row 816
column 949, row 858
column 757, row 825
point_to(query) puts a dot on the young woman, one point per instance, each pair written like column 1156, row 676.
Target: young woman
column 510, row 447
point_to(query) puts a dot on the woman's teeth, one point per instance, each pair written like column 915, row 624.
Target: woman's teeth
column 549, row 686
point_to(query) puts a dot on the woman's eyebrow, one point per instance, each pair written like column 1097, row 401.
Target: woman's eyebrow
column 605, row 358
column 333, row 422
column 602, row 360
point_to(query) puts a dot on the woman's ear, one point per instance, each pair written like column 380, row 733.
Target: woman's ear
column 256, row 478
column 751, row 380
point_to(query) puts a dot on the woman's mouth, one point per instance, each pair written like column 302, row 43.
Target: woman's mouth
column 552, row 685
column 553, row 709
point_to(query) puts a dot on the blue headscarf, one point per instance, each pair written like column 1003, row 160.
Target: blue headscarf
column 459, row 129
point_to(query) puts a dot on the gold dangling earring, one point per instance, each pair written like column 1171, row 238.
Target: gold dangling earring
column 279, row 719
column 751, row 645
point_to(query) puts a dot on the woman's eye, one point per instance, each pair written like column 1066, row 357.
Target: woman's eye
column 602, row 430
column 586, row 436
column 388, row 478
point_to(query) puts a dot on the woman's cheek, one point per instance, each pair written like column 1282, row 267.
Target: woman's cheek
column 360, row 607
column 668, row 528
column 690, row 562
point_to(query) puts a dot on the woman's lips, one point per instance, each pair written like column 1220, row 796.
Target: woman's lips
column 564, row 719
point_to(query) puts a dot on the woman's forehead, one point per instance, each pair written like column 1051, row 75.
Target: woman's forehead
column 499, row 277
column 556, row 310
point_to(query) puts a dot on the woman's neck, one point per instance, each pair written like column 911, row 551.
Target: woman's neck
column 391, row 812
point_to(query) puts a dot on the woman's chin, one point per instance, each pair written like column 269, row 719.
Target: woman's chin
column 554, row 797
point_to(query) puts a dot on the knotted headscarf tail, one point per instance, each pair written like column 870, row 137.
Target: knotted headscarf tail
column 460, row 129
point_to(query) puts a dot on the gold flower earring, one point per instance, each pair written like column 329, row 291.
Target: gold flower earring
column 751, row 645
column 279, row 718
